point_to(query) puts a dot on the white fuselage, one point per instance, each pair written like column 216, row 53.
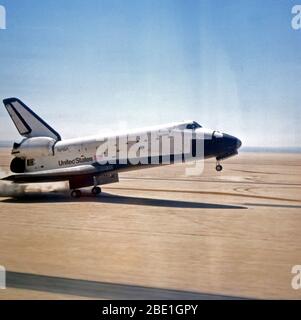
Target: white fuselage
column 82, row 151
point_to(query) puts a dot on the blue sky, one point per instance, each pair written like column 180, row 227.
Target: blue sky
column 91, row 66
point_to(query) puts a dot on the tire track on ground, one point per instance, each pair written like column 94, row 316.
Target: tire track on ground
column 206, row 192
column 212, row 181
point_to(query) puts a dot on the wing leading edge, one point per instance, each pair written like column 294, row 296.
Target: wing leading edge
column 60, row 174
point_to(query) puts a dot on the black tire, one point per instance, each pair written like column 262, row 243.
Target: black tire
column 76, row 193
column 219, row 168
column 96, row 190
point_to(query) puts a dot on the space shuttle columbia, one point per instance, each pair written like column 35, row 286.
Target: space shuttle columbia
column 42, row 155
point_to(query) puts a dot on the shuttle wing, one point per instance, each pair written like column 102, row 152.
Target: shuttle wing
column 79, row 172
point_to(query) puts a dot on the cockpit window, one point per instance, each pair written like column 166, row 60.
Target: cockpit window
column 192, row 126
column 217, row 134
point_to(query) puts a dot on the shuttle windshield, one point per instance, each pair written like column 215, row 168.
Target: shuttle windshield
column 192, row 126
column 217, row 134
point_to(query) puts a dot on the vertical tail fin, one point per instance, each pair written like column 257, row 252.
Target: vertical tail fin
column 27, row 122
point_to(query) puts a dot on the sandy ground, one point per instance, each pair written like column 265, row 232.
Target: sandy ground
column 233, row 233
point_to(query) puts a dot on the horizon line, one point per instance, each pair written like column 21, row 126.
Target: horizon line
column 271, row 149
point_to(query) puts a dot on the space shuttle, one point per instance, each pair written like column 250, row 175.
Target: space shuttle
column 43, row 156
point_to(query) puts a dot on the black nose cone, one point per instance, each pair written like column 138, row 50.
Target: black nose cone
column 231, row 142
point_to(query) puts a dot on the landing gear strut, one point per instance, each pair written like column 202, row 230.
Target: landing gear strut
column 218, row 167
column 76, row 193
column 96, row 190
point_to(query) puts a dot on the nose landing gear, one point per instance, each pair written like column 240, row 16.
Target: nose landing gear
column 218, row 167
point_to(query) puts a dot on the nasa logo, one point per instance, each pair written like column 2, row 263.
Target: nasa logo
column 62, row 149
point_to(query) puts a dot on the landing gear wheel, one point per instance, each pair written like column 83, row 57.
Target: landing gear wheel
column 76, row 193
column 219, row 167
column 96, row 190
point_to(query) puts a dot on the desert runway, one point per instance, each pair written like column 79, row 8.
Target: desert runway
column 158, row 233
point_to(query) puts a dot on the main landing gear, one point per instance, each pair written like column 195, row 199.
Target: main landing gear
column 218, row 167
column 96, row 190
column 77, row 193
